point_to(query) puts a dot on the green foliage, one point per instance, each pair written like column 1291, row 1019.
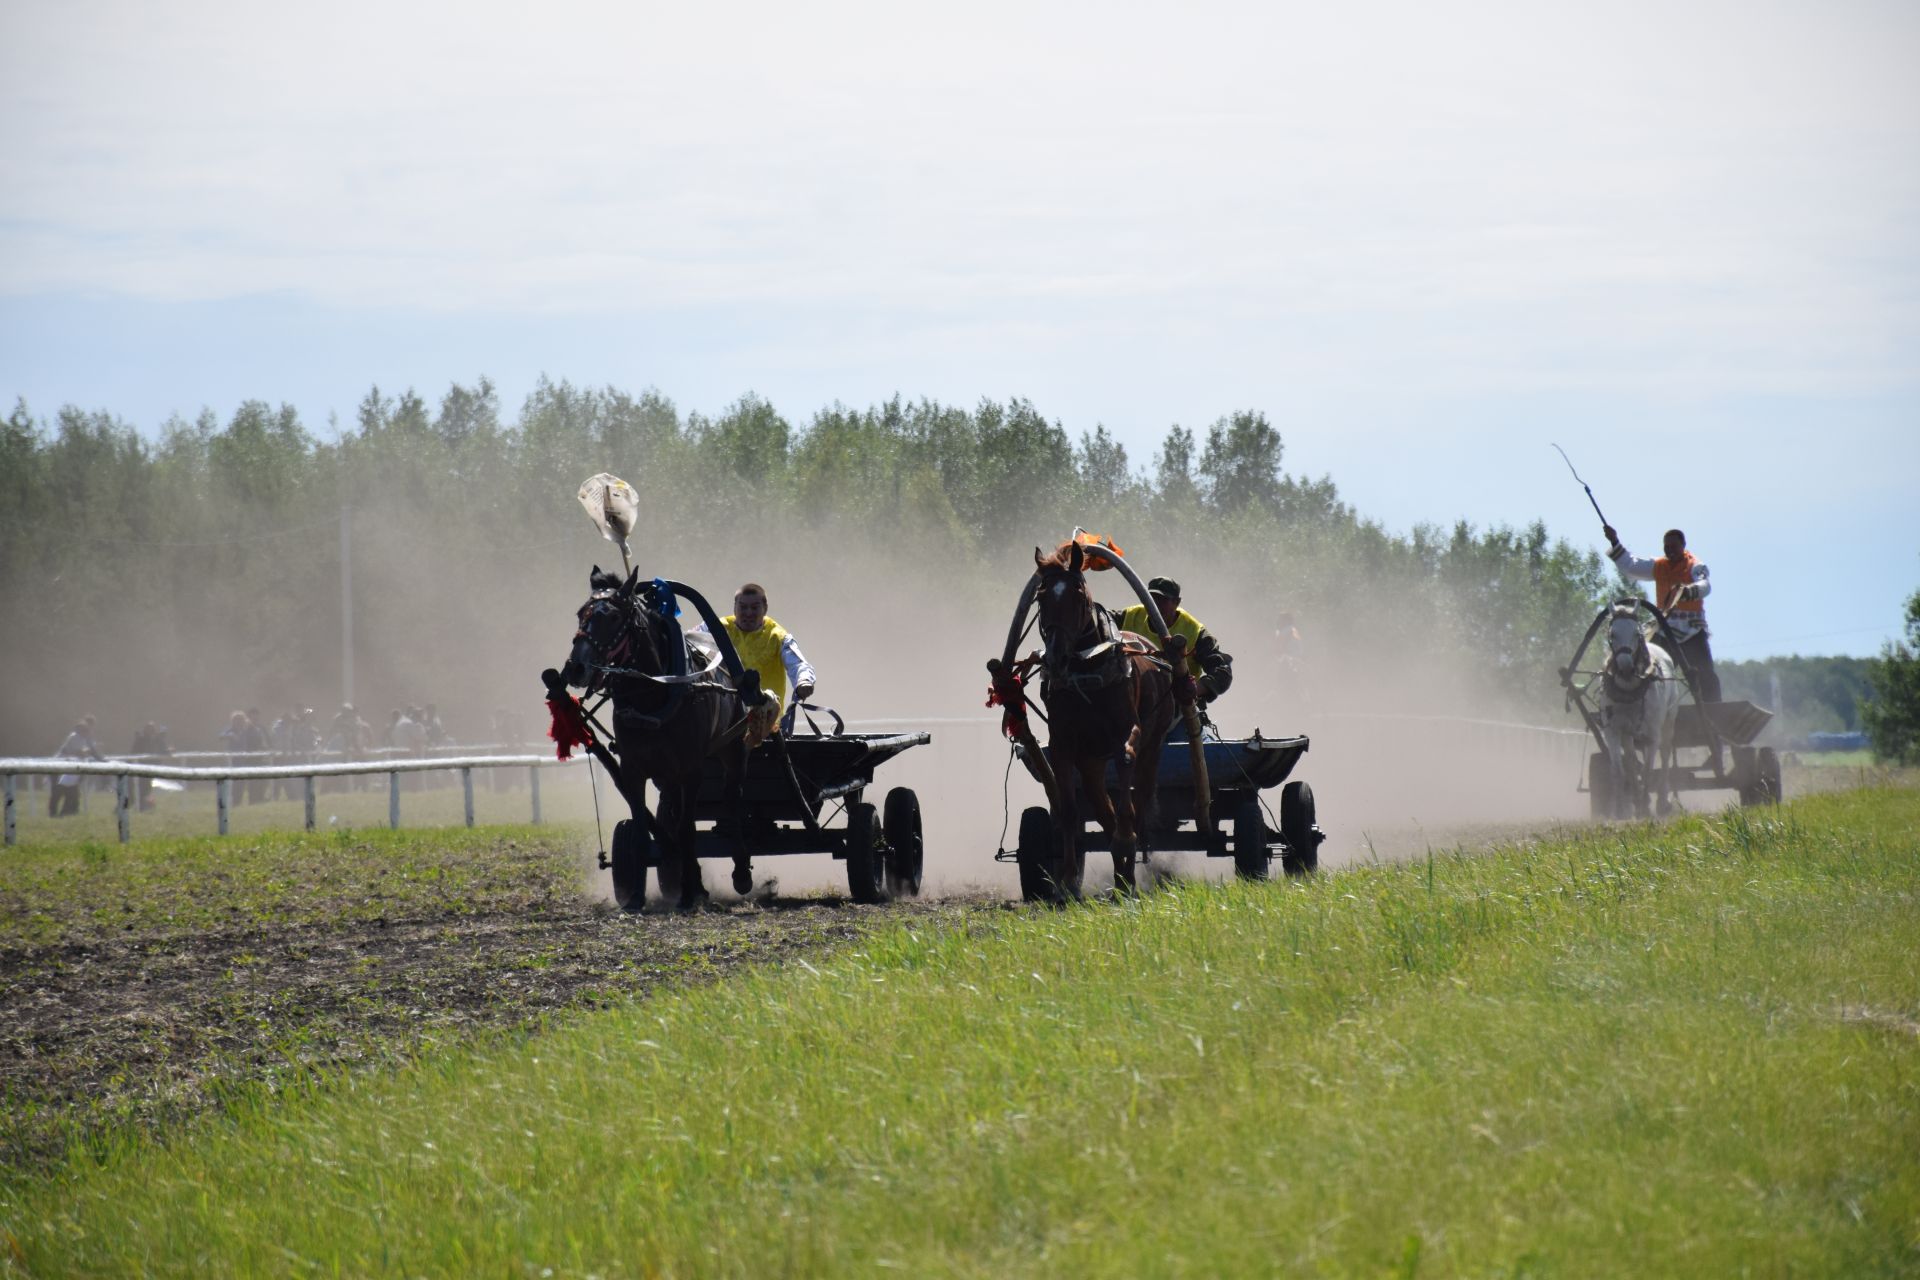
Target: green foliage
column 1816, row 694
column 1892, row 718
column 222, row 538
column 1240, row 466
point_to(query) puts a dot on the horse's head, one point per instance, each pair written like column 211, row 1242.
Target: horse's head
column 614, row 631
column 1627, row 656
column 1065, row 601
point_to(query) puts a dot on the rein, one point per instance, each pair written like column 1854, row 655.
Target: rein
column 692, row 677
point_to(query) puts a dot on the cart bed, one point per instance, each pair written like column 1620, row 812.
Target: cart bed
column 832, row 765
column 1738, row 723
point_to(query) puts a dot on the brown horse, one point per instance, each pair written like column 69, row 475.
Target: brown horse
column 1109, row 699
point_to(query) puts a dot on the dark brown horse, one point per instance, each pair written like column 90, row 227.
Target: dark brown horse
column 1109, row 700
column 674, row 708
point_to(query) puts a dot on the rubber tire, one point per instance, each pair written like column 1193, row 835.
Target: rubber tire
column 1599, row 787
column 1035, row 855
column 1769, row 763
column 866, row 863
column 1252, row 857
column 1746, row 776
column 629, row 865
column 667, row 875
column 906, row 847
column 1297, row 830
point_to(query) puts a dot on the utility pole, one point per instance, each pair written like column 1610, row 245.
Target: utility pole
column 346, row 603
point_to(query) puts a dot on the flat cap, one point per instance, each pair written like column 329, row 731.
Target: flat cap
column 1164, row 587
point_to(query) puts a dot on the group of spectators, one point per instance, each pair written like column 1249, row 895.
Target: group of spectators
column 298, row 736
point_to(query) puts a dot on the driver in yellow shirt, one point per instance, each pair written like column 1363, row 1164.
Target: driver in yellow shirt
column 767, row 647
column 1209, row 664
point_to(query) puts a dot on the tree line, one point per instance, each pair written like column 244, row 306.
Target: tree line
column 202, row 560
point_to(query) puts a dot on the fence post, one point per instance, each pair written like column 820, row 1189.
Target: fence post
column 309, row 799
column 122, row 809
column 466, row 784
column 10, row 836
column 393, row 800
column 221, row 799
column 533, row 781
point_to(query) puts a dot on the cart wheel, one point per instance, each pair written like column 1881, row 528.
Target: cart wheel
column 1298, row 830
column 1035, row 854
column 1251, row 855
column 629, row 864
column 1768, row 766
column 866, row 867
column 1759, row 777
column 669, row 877
column 1599, row 787
column 906, row 850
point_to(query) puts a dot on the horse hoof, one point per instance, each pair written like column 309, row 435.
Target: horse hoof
column 742, row 881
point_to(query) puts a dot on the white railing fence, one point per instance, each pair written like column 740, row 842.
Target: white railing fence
column 124, row 772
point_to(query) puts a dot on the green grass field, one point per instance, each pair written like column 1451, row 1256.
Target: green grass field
column 1686, row 1050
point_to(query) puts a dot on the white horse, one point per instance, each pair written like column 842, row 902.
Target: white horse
column 1639, row 698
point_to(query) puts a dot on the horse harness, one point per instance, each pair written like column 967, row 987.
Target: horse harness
column 622, row 645
column 1620, row 694
column 1105, row 662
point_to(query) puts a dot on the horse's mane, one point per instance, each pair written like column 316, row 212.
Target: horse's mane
column 1061, row 557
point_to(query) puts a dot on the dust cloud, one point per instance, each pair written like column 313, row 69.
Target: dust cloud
column 1404, row 753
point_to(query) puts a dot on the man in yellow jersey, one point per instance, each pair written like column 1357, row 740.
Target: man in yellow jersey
column 765, row 646
column 1207, row 662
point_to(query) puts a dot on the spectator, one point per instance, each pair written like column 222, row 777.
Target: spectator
column 350, row 736
column 64, row 798
column 257, row 744
column 410, row 738
column 303, row 737
column 436, row 732
column 234, row 739
column 280, row 742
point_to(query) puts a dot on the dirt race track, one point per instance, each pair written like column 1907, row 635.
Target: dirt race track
column 153, row 1024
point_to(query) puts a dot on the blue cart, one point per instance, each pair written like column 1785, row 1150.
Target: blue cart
column 1238, row 770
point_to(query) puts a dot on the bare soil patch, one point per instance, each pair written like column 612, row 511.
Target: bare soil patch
column 116, row 1027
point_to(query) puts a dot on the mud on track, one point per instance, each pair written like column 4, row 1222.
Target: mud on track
column 104, row 1032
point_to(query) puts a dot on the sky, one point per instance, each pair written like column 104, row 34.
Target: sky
column 1428, row 241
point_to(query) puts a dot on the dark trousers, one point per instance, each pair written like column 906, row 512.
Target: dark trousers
column 63, row 800
column 1699, row 656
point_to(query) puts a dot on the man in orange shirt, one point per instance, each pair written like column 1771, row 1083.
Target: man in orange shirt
column 1680, row 583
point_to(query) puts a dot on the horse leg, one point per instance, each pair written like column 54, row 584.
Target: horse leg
column 1657, row 773
column 693, row 891
column 1114, row 811
column 1637, row 777
column 1663, row 743
column 1067, row 833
